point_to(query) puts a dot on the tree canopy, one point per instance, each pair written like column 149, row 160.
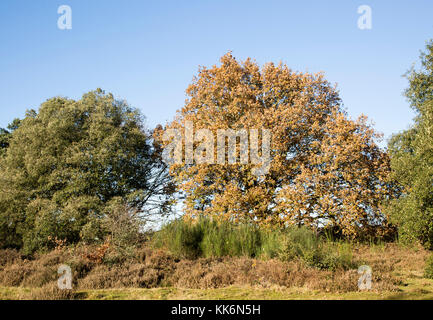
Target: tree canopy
column 5, row 135
column 325, row 170
column 68, row 164
column 412, row 158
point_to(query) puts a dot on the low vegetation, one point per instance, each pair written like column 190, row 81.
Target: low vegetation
column 207, row 238
column 152, row 271
column 428, row 271
column 205, row 255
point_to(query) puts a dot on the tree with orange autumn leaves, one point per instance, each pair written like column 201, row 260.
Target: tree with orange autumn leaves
column 326, row 170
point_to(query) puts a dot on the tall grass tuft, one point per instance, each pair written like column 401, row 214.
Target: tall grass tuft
column 226, row 239
column 207, row 238
column 181, row 238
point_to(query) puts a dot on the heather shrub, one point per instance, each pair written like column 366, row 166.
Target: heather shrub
column 8, row 256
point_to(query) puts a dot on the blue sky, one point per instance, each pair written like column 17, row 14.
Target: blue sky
column 148, row 51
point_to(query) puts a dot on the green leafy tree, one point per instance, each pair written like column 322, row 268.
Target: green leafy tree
column 5, row 135
column 4, row 140
column 412, row 158
column 68, row 164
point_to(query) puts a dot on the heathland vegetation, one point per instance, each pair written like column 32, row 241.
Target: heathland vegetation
column 80, row 180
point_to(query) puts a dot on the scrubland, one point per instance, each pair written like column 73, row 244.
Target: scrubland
column 206, row 261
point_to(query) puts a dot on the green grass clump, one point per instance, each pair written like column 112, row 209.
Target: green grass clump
column 428, row 269
column 209, row 238
column 303, row 244
column 226, row 239
column 181, row 238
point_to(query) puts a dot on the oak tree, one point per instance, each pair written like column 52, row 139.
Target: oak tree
column 325, row 169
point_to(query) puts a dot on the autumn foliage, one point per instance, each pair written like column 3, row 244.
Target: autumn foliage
column 326, row 170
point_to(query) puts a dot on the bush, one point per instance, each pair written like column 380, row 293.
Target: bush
column 302, row 243
column 428, row 269
column 299, row 242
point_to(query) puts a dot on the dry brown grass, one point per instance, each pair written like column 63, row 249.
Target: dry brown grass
column 391, row 256
column 150, row 268
column 9, row 256
column 49, row 291
column 206, row 274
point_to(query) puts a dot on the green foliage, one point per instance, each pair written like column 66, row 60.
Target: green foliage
column 428, row 269
column 67, row 163
column 4, row 140
column 226, row 239
column 302, row 244
column 271, row 244
column 412, row 159
column 5, row 135
column 299, row 242
column 124, row 225
column 182, row 238
column 207, row 238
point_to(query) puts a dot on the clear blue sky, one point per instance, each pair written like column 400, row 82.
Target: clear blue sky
column 147, row 52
